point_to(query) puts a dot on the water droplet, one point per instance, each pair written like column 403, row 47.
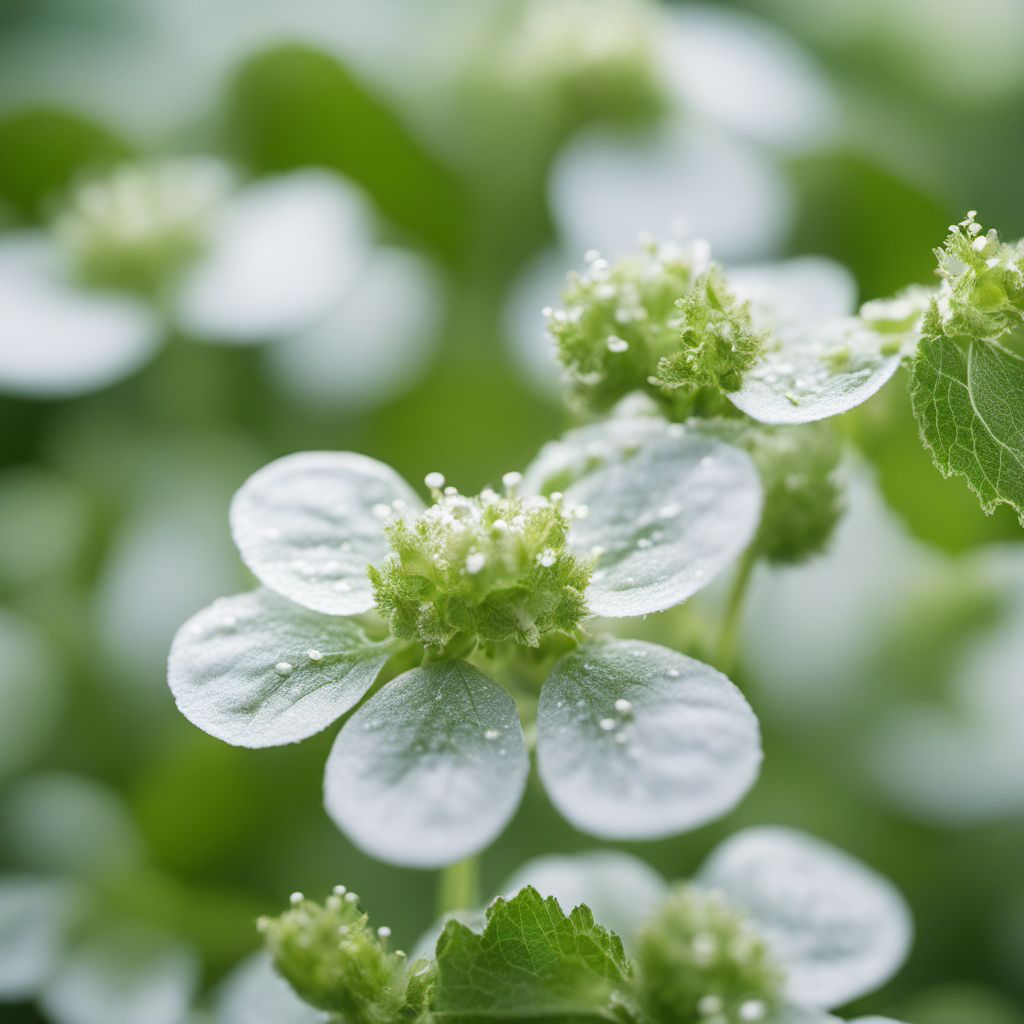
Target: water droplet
column 283, row 668
column 492, row 734
column 607, row 724
column 314, row 655
column 623, row 706
column 673, row 673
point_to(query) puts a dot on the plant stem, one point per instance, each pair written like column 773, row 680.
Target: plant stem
column 732, row 618
column 459, row 886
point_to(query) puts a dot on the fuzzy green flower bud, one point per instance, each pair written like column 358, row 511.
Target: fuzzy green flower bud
column 663, row 321
column 136, row 229
column 982, row 294
column 802, row 492
column 699, row 960
column 335, row 962
column 482, row 569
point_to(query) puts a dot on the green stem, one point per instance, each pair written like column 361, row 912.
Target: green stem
column 732, row 619
column 459, row 886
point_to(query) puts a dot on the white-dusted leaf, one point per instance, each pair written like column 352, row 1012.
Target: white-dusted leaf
column 816, row 370
column 70, row 825
column 622, row 891
column 373, row 345
column 664, row 518
column 430, row 769
column 256, row 670
column 36, row 917
column 635, row 741
column 31, row 692
column 282, row 252
column 559, row 464
column 254, row 993
column 56, row 340
column 123, row 974
column 308, row 526
column 800, row 1015
column 838, row 929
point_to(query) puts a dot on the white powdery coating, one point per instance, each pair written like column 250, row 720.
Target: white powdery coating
column 246, row 669
column 417, row 776
column 684, row 755
column 57, row 341
column 306, row 526
column 838, row 929
column 282, row 252
column 123, row 974
column 667, row 517
column 36, row 919
column 623, row 892
column 254, row 993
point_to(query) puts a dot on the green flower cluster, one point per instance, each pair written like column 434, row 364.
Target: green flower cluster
column 982, row 296
column 663, row 321
column 335, row 962
column 137, row 228
column 699, row 960
column 483, row 569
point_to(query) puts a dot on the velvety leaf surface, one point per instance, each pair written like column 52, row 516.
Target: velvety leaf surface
column 969, row 404
column 838, row 928
column 430, row 769
column 637, row 741
column 308, row 526
column 532, row 962
column 258, row 671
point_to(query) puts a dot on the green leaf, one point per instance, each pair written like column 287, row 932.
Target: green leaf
column 256, row 670
column 309, row 525
column 838, row 929
column 531, row 963
column 636, row 741
column 969, row 404
column 430, row 769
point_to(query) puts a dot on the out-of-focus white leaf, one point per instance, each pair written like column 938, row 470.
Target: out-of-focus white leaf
column 254, row 993
column 838, row 929
column 636, row 741
column 281, row 253
column 430, row 769
column 58, row 341
column 258, row 671
column 309, row 525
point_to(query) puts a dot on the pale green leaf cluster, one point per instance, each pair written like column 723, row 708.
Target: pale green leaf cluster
column 700, row 959
column 663, row 321
column 484, row 569
column 967, row 385
column 137, row 228
column 776, row 929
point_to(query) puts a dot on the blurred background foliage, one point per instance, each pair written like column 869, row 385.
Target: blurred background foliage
column 494, row 142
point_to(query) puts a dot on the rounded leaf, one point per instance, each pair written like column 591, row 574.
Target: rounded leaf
column 306, row 526
column 635, row 741
column 622, row 891
column 36, row 917
column 123, row 974
column 838, row 929
column 430, row 769
column 256, row 670
column 254, row 993
column 664, row 518
column 56, row 340
column 282, row 252
column 813, row 371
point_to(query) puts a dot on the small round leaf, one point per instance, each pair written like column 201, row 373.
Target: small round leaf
column 635, row 741
column 838, row 928
column 306, row 526
column 256, row 670
column 664, row 518
column 430, row 769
